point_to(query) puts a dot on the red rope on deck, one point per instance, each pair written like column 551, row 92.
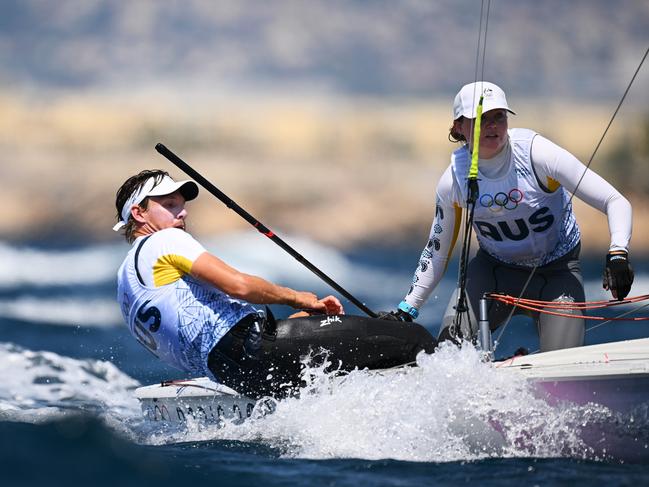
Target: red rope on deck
column 546, row 306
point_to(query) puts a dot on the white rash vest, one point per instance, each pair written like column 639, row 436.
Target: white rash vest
column 522, row 215
column 173, row 315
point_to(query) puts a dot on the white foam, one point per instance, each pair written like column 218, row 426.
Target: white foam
column 452, row 407
column 41, row 386
column 63, row 312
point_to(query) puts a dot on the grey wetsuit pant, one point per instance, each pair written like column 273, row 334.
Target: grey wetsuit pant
column 559, row 280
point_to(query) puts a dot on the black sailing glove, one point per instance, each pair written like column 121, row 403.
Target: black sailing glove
column 397, row 315
column 618, row 274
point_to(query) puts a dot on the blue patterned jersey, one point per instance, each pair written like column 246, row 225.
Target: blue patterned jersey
column 175, row 316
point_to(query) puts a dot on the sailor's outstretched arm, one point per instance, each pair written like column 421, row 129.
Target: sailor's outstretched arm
column 556, row 166
column 439, row 247
column 257, row 290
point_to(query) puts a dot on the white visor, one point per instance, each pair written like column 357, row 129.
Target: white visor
column 187, row 188
column 467, row 99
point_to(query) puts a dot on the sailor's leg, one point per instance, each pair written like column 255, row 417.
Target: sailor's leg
column 237, row 360
column 483, row 276
column 346, row 341
column 355, row 341
column 556, row 332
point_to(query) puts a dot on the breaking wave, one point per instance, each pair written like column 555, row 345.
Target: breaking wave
column 40, row 386
column 452, row 407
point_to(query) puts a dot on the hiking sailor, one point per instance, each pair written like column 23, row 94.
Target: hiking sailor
column 523, row 221
column 194, row 312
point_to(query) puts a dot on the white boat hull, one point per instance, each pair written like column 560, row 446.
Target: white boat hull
column 196, row 399
column 615, row 375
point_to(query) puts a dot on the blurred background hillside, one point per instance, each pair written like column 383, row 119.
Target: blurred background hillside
column 327, row 118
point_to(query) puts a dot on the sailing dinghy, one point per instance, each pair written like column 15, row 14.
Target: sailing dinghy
column 614, row 375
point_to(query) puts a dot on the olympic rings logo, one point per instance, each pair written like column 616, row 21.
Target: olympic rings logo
column 508, row 201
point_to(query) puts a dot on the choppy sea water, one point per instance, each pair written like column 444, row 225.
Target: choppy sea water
column 69, row 369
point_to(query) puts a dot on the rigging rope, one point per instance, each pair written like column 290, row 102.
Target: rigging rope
column 472, row 179
column 571, row 304
column 618, row 316
column 545, row 306
column 619, row 105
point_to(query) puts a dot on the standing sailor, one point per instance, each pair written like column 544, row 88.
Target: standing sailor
column 194, row 312
column 528, row 237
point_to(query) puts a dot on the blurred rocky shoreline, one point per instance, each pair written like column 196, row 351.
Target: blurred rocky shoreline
column 342, row 172
column 335, row 129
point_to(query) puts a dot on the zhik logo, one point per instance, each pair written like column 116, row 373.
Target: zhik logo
column 329, row 320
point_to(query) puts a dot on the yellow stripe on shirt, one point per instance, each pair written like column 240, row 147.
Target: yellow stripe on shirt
column 169, row 268
column 456, row 229
column 553, row 184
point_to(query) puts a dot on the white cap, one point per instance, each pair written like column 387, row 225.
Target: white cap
column 467, row 99
column 189, row 190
